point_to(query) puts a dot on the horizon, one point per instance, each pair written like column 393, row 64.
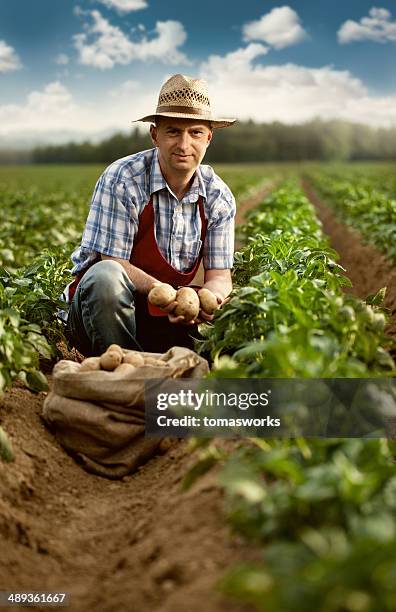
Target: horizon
column 73, row 75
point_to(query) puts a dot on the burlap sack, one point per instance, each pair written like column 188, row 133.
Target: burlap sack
column 98, row 417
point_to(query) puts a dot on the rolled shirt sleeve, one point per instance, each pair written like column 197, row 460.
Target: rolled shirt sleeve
column 218, row 252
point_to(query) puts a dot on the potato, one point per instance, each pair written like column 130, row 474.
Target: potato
column 187, row 303
column 90, row 364
column 110, row 360
column 133, row 358
column 115, row 347
column 208, row 301
column 162, row 295
column 125, row 368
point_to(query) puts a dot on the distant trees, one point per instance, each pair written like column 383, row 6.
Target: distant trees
column 247, row 142
column 118, row 145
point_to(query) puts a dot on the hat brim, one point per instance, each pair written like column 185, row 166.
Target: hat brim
column 216, row 123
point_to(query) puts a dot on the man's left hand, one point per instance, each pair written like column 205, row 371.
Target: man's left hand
column 204, row 317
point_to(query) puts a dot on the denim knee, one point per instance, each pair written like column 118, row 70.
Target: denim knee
column 108, row 279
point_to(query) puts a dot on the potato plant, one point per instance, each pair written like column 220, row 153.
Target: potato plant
column 288, row 315
column 323, row 511
column 364, row 202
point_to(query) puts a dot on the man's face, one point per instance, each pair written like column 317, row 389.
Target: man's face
column 181, row 144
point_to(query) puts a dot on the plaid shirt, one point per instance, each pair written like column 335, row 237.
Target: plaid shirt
column 120, row 195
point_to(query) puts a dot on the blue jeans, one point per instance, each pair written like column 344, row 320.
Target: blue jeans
column 107, row 309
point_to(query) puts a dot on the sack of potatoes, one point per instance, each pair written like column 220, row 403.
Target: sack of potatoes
column 115, row 359
column 189, row 302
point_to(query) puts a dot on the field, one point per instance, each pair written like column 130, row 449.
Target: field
column 261, row 524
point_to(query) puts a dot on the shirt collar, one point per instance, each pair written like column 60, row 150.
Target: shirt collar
column 158, row 182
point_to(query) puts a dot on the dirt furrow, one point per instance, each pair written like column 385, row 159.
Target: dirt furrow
column 367, row 268
column 137, row 544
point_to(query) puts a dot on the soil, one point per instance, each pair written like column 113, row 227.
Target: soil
column 137, row 544
column 367, row 268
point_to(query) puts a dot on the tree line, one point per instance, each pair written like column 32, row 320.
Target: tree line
column 247, row 142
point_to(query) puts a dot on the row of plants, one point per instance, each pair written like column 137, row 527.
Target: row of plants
column 288, row 316
column 33, row 220
column 366, row 202
column 321, row 512
column 40, row 228
column 246, row 179
column 321, row 517
column 380, row 176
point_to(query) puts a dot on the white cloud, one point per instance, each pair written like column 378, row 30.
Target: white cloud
column 125, row 6
column 9, row 59
column 279, row 28
column 127, row 88
column 289, row 92
column 62, row 59
column 44, row 109
column 53, row 113
column 110, row 47
column 378, row 27
column 219, row 69
column 104, row 45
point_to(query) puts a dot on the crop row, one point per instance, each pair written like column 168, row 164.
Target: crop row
column 38, row 232
column 380, row 177
column 322, row 511
column 366, row 203
column 288, row 315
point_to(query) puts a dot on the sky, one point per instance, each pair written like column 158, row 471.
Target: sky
column 85, row 68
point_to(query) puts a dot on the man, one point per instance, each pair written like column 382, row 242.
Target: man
column 154, row 215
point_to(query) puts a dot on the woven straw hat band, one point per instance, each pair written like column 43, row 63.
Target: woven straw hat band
column 184, row 109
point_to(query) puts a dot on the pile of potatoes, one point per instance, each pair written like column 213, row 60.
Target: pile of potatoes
column 189, row 302
column 117, row 360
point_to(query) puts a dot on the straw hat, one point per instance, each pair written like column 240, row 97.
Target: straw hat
column 186, row 98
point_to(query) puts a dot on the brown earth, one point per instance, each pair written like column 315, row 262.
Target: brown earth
column 365, row 266
column 135, row 545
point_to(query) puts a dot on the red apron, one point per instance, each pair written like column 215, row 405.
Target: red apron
column 147, row 256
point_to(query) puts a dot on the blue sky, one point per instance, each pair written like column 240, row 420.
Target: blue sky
column 86, row 67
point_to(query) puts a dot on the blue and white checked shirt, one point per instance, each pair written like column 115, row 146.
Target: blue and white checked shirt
column 120, row 195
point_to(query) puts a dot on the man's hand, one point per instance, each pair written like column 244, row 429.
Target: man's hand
column 203, row 317
column 178, row 319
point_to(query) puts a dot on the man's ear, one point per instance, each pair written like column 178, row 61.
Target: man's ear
column 210, row 136
column 153, row 134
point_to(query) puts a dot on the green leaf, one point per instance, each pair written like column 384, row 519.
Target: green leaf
column 376, row 299
column 198, row 469
column 36, row 381
column 6, row 452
